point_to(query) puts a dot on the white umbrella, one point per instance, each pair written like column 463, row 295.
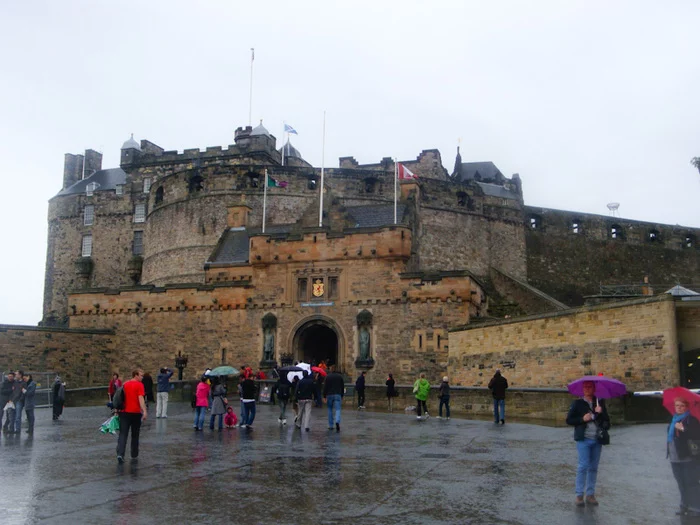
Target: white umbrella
column 300, row 375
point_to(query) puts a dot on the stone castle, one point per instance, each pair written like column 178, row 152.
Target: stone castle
column 167, row 254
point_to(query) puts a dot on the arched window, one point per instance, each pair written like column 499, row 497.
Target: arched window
column 195, row 183
column 269, row 326
column 159, row 195
column 653, row 236
column 364, row 339
column 689, row 241
column 575, row 226
column 616, row 232
column 535, row 222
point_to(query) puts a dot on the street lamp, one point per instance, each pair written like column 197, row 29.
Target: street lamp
column 180, row 364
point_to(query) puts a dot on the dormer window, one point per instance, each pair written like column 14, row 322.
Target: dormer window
column 88, row 215
column 146, row 184
column 90, row 188
column 119, row 189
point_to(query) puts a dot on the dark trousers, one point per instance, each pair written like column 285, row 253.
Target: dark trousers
column 444, row 400
column 687, row 474
column 420, row 404
column 30, row 420
column 360, row 398
column 129, row 421
column 57, row 408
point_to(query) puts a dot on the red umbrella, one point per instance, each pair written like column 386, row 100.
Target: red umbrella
column 693, row 400
column 319, row 370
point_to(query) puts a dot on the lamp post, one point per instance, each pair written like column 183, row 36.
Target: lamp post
column 180, row 364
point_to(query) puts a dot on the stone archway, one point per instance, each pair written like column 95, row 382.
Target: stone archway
column 317, row 338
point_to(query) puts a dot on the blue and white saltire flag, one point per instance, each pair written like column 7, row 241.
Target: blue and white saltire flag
column 289, row 129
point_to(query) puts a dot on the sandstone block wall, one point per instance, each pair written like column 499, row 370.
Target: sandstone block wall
column 634, row 341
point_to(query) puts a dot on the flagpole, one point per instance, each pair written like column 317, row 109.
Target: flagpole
column 396, row 185
column 250, row 100
column 284, row 134
column 323, row 162
column 264, row 201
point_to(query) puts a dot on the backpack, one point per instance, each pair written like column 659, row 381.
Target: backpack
column 118, row 399
column 283, row 390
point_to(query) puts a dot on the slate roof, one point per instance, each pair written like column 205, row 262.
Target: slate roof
column 376, row 216
column 106, row 180
column 496, row 190
column 480, row 171
column 290, row 151
column 681, row 291
column 234, row 248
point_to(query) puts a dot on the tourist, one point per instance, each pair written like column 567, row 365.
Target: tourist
column 29, row 403
column 131, row 416
column 163, row 380
column 59, row 397
column 6, row 389
column 391, row 392
column 201, row 403
column 318, row 389
column 360, row 389
column 114, row 384
column 585, row 415
column 148, row 387
column 305, row 395
column 444, row 396
column 283, row 390
column 11, row 413
column 230, row 419
column 421, row 389
column 248, row 400
column 333, row 391
column 498, row 386
column 218, row 407
column 293, row 397
column 686, row 469
column 20, row 384
column 260, row 375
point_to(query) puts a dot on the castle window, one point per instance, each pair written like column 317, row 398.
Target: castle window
column 370, row 185
column 312, row 184
column 535, row 222
column 575, row 226
column 461, row 199
column 653, row 236
column 689, row 241
column 420, row 341
column 146, row 184
column 195, row 183
column 90, row 188
column 159, row 195
column 119, row 189
column 616, row 232
column 332, row 287
column 137, row 244
column 140, row 213
column 88, row 215
column 87, row 246
column 302, row 289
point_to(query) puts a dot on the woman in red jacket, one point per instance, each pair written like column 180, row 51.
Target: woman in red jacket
column 114, row 384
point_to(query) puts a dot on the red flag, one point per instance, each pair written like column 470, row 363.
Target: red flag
column 405, row 173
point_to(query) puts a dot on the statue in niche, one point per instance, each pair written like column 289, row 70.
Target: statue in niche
column 364, row 343
column 269, row 345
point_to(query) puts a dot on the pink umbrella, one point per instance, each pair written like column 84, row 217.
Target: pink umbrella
column 605, row 387
column 693, row 400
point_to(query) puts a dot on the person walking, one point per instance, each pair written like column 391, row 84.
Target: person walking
column 360, row 389
column 6, row 389
column 11, row 412
column 20, row 392
column 391, row 392
column 586, row 415
column 444, row 396
column 114, row 384
column 686, row 468
column 59, row 397
column 305, row 395
column 283, row 390
column 421, row 389
column 248, row 400
column 293, row 398
column 218, row 406
column 132, row 415
column 148, row 387
column 498, row 386
column 201, row 403
column 29, row 403
column 163, row 380
column 333, row 392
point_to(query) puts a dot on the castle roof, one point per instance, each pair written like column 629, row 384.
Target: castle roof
column 479, row 171
column 681, row 291
column 131, row 144
column 260, row 130
column 376, row 216
column 105, row 180
column 496, row 190
column 290, row 151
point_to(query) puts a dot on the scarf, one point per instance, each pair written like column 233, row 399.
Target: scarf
column 677, row 418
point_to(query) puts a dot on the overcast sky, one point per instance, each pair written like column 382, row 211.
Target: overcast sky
column 591, row 102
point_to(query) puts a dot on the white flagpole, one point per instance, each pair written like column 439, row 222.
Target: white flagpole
column 323, row 162
column 396, row 185
column 264, row 201
column 284, row 134
column 250, row 100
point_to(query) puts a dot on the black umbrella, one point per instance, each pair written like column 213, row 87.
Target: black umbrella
column 286, row 369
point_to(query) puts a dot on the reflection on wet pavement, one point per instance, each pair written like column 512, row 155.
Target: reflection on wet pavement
column 381, row 468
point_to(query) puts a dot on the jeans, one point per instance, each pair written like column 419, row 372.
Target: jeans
column 360, row 398
column 162, row 405
column 421, row 404
column 283, row 407
column 242, row 418
column 687, row 474
column 249, row 415
column 444, row 400
column 333, row 402
column 221, row 421
column 499, row 405
column 9, row 425
column 304, row 418
column 587, row 471
column 30, row 420
column 129, row 421
column 199, row 415
column 18, row 416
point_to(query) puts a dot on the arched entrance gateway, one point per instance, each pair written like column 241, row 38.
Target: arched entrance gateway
column 316, row 339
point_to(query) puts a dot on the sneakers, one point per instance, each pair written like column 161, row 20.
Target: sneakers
column 279, row 420
column 438, row 417
column 120, row 459
column 330, row 428
column 284, row 421
column 418, row 418
column 590, row 500
column 448, row 418
column 337, row 427
column 427, row 415
column 503, row 421
column 307, row 429
column 249, row 427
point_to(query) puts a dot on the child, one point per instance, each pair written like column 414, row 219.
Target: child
column 230, row 420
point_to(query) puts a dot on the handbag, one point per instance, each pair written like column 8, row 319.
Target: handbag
column 602, row 436
column 694, row 448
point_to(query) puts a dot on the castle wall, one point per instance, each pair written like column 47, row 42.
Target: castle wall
column 569, row 266
column 81, row 357
column 634, row 341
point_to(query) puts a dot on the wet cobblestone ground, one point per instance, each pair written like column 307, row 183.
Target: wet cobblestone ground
column 380, row 469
